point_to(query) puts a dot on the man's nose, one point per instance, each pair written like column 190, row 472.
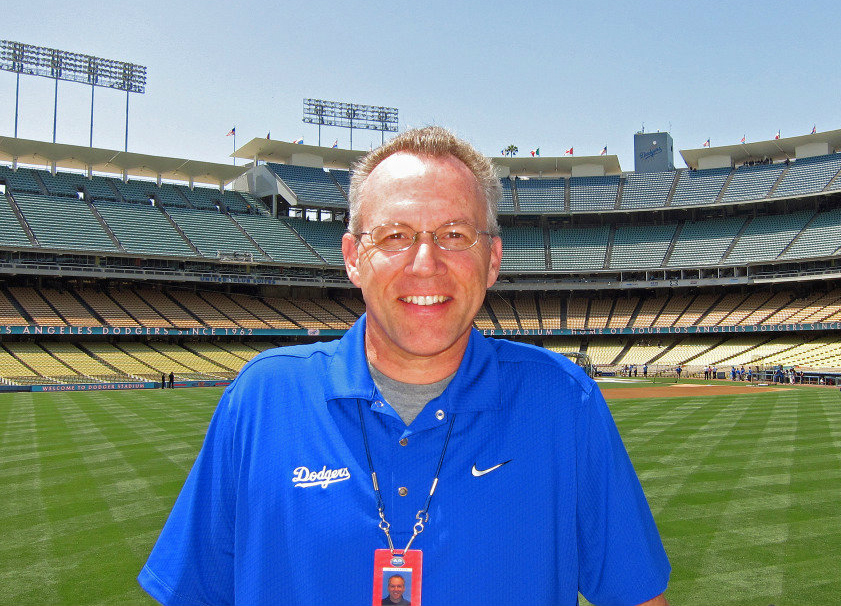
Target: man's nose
column 425, row 253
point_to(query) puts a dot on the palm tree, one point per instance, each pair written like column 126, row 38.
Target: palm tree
column 511, row 150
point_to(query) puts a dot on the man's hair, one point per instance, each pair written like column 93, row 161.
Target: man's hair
column 397, row 576
column 428, row 141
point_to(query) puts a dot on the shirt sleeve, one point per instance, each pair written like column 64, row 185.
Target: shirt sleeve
column 192, row 562
column 622, row 561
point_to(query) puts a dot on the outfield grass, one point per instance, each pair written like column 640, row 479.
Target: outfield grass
column 745, row 490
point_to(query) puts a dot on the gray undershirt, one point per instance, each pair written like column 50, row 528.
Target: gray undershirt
column 407, row 399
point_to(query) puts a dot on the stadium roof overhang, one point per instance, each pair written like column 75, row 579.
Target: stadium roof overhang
column 565, row 166
column 284, row 152
column 774, row 150
column 109, row 161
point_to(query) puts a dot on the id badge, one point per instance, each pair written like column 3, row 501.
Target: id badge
column 397, row 577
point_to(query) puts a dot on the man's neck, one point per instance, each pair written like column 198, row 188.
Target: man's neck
column 419, row 370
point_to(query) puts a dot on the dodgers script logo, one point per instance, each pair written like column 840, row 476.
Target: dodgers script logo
column 303, row 477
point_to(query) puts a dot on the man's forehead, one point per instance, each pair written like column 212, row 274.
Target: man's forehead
column 405, row 165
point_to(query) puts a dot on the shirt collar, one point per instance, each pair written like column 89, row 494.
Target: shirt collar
column 475, row 386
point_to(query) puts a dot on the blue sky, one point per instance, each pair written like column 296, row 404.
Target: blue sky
column 548, row 75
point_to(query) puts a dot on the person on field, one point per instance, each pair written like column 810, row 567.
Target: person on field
column 492, row 468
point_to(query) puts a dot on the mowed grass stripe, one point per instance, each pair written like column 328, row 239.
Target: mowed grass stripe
column 110, row 466
column 745, row 490
column 33, row 577
column 750, row 510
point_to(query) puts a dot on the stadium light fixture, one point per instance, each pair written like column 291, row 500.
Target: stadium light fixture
column 350, row 115
column 52, row 63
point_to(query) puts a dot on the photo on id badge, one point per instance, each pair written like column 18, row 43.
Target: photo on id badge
column 396, row 581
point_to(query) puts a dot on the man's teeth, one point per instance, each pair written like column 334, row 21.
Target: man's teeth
column 425, row 299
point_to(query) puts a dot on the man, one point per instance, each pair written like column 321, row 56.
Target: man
column 396, row 587
column 497, row 462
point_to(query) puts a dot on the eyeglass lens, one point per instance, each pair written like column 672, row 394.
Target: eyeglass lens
column 396, row 236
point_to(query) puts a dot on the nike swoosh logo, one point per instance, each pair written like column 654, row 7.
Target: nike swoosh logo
column 477, row 473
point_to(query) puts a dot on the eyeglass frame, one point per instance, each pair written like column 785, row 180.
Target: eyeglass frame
column 433, row 233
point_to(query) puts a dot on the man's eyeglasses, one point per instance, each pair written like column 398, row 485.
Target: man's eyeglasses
column 396, row 237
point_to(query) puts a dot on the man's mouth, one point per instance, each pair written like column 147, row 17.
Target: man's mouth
column 425, row 299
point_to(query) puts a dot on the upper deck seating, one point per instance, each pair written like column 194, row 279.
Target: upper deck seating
column 637, row 246
column 324, row 236
column 593, row 193
column 578, row 247
column 170, row 196
column 136, row 190
column 506, row 203
column 213, row 233
column 540, row 195
column 765, row 237
column 699, row 186
column 646, row 190
column 236, row 202
column 201, row 197
column 313, row 186
column 277, row 239
column 752, row 182
column 342, row 178
column 704, row 242
column 62, row 184
column 808, row 175
column 143, row 229
column 524, row 249
column 63, row 223
column 13, row 234
column 821, row 238
column 20, row 180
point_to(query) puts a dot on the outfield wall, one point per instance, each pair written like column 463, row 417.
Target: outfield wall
column 144, row 331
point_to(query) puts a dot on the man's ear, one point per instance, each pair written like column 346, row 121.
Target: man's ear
column 350, row 251
column 495, row 260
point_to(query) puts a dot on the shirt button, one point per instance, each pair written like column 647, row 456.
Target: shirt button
column 404, row 441
column 402, row 491
column 439, row 414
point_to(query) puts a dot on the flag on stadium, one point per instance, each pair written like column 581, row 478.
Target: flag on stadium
column 335, row 144
column 269, row 135
column 569, row 151
column 604, row 151
column 777, row 136
column 706, row 143
column 535, row 152
column 743, row 138
column 299, row 141
column 814, row 128
column 233, row 131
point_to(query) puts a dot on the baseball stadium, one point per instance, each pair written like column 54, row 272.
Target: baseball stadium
column 123, row 273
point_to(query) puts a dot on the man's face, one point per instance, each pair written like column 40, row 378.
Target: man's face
column 421, row 302
column 395, row 589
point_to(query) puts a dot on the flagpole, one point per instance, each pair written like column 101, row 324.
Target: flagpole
column 235, row 145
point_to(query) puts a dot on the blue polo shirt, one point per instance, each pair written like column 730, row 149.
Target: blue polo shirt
column 279, row 508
